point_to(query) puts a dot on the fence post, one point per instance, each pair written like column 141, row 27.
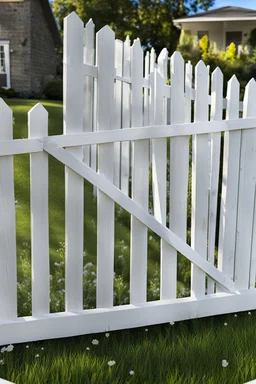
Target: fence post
column 246, row 193
column 229, row 191
column 200, row 181
column 8, row 272
column 105, row 59
column 216, row 114
column 38, row 128
column 126, row 118
column 74, row 184
column 179, row 160
column 140, row 180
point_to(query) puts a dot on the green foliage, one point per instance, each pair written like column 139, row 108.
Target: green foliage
column 204, row 46
column 231, row 52
column 150, row 20
column 54, row 90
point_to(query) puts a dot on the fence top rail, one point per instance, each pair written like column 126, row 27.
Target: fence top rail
column 22, row 146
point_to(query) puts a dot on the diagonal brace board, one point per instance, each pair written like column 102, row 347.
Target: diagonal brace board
column 134, row 209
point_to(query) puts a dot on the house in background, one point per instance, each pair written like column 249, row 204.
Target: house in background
column 222, row 25
column 29, row 38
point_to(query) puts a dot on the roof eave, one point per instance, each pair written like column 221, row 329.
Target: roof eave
column 212, row 19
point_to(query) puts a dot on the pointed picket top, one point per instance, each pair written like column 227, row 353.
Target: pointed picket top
column 177, row 57
column 37, row 121
column 249, row 99
column 177, row 64
column 106, row 32
column 127, row 39
column 233, row 95
column 90, row 24
column 217, row 94
column 136, row 47
column 5, row 121
column 152, row 60
column 201, row 67
column 162, row 61
column 73, row 19
column 146, row 67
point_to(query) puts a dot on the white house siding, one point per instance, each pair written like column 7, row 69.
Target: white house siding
column 217, row 30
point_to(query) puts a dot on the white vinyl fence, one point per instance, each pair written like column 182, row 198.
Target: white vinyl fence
column 116, row 110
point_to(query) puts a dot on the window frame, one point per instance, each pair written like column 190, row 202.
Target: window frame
column 6, row 45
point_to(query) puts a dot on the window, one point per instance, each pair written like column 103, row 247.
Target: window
column 200, row 34
column 4, row 64
column 234, row 37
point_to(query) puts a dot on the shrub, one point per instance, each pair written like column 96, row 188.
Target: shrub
column 204, row 46
column 7, row 93
column 231, row 52
column 54, row 90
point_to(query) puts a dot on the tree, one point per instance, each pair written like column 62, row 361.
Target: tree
column 150, row 20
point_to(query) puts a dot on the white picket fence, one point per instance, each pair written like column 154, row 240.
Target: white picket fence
column 118, row 108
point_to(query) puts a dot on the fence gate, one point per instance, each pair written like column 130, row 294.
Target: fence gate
column 121, row 120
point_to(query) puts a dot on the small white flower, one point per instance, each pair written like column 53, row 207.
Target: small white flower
column 27, row 346
column 87, row 349
column 9, row 348
column 3, row 350
column 150, row 238
column 172, row 323
column 249, row 313
column 95, row 342
column 111, row 363
column 2, row 362
column 42, row 348
column 37, row 355
column 224, row 363
column 225, row 324
column 131, row 372
column 107, row 334
column 235, row 315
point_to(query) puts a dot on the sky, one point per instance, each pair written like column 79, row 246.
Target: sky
column 236, row 3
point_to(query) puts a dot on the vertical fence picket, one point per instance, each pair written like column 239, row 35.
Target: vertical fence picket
column 200, row 181
column 140, row 180
column 246, row 193
column 117, row 109
column 229, row 191
column 146, row 92
column 151, row 96
column 105, row 58
column 126, row 117
column 253, row 251
column 8, row 271
column 188, row 92
column 74, row 184
column 216, row 114
column 38, row 128
column 89, row 33
column 179, row 161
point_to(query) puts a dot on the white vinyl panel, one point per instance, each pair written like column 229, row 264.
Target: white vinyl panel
column 105, row 59
column 74, row 185
column 38, row 128
column 140, row 181
column 216, row 114
column 230, row 179
column 200, row 181
column 8, row 271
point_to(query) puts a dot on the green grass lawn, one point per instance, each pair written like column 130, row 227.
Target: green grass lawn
column 187, row 352
column 184, row 353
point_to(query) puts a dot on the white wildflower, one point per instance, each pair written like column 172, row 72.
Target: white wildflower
column 249, row 313
column 146, row 330
column 42, row 348
column 107, row 334
column 225, row 324
column 37, row 355
column 111, row 363
column 235, row 315
column 172, row 323
column 224, row 363
column 27, row 346
column 1, row 361
column 131, row 372
column 95, row 342
column 150, row 238
column 87, row 349
column 3, row 350
column 9, row 348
